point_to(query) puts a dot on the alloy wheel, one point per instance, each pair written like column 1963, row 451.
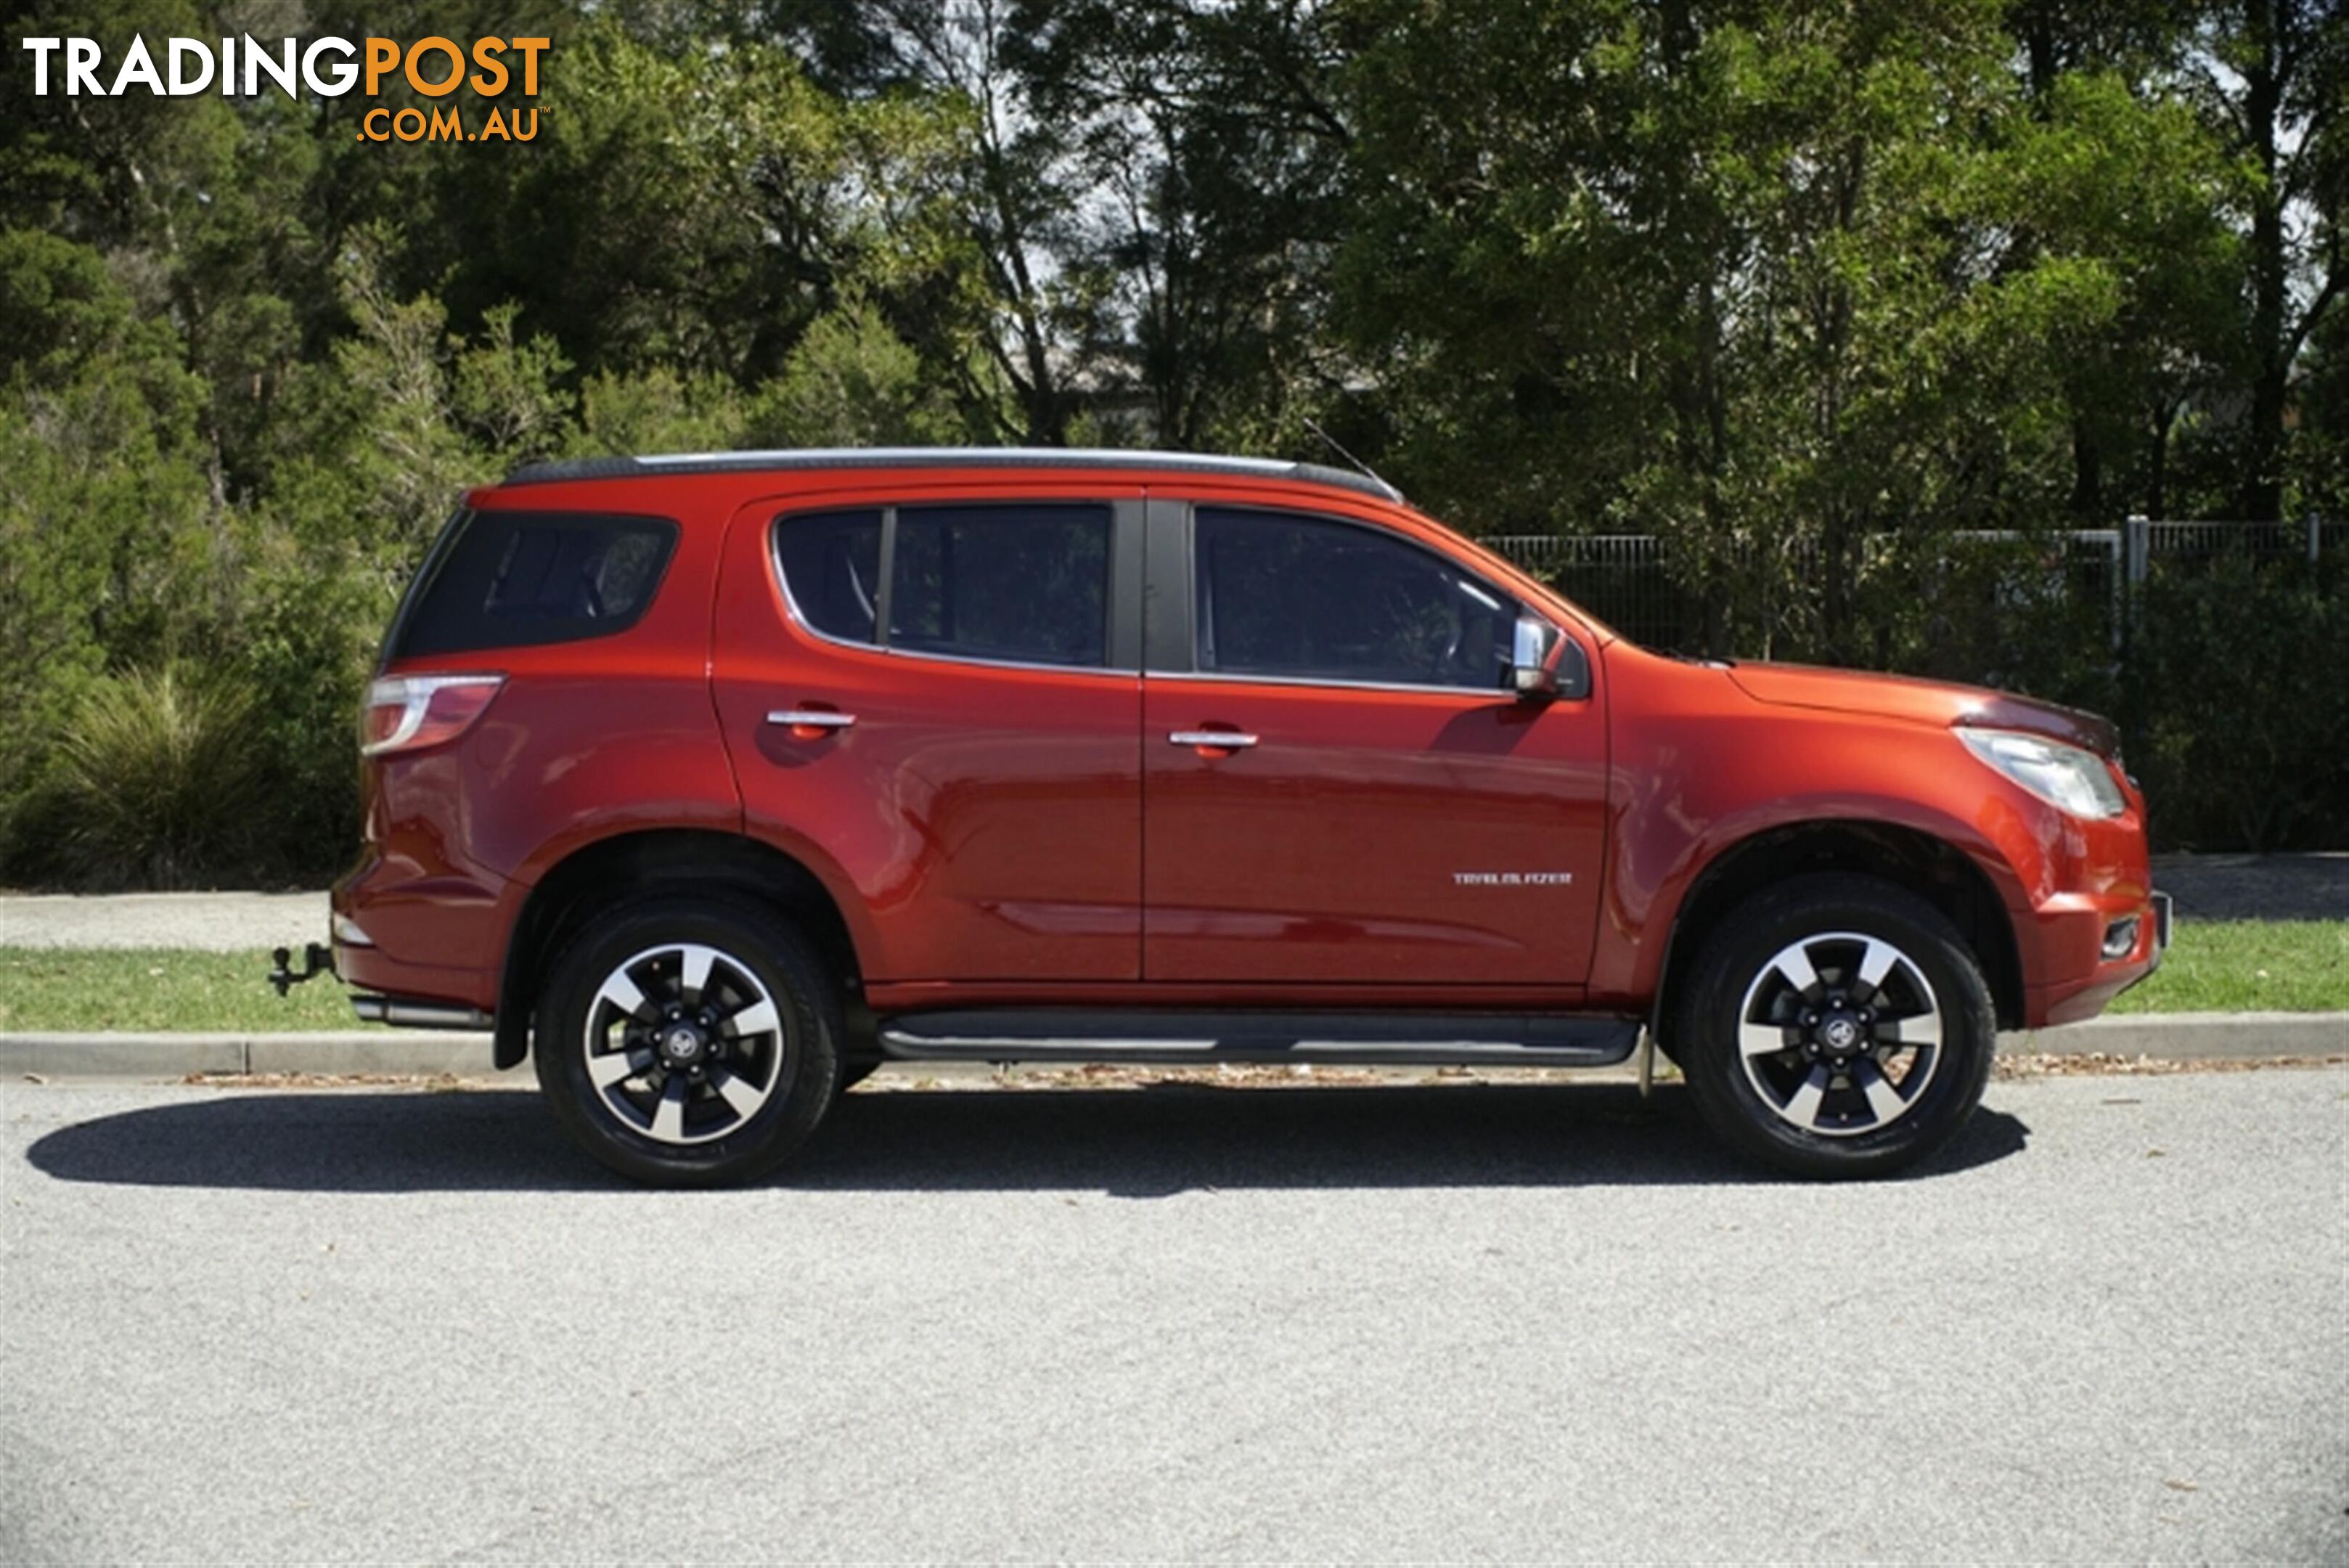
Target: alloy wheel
column 1840, row 1034
column 684, row 1043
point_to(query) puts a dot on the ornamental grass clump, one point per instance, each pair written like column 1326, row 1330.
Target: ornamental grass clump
column 157, row 779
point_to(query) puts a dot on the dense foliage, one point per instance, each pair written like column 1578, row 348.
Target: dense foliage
column 1802, row 286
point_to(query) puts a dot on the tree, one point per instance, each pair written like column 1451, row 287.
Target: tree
column 2272, row 77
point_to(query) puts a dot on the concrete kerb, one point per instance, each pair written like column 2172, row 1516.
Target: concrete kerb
column 2175, row 1037
column 2193, row 1036
column 391, row 1051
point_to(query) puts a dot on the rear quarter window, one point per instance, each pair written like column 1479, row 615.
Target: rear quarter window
column 516, row 579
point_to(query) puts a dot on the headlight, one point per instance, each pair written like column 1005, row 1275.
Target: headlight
column 2066, row 777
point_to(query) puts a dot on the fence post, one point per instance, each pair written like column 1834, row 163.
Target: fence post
column 2137, row 553
column 2136, row 550
column 2315, row 533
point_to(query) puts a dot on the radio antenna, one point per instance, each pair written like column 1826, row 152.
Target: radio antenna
column 1352, row 461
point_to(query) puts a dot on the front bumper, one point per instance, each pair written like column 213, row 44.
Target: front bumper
column 2071, row 933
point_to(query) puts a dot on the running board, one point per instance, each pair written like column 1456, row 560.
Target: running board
column 1355, row 1039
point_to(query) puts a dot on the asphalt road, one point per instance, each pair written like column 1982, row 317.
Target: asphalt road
column 1443, row 1322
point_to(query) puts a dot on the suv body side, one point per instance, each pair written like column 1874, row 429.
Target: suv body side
column 967, row 867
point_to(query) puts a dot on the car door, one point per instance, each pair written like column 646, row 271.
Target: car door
column 1337, row 788
column 935, row 705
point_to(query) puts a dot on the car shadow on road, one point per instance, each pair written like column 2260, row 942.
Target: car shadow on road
column 1138, row 1143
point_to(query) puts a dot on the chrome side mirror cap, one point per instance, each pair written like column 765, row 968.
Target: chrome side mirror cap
column 1530, row 674
column 1546, row 662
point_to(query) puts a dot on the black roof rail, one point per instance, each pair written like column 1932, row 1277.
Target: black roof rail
column 791, row 459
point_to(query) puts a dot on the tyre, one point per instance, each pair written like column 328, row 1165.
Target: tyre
column 688, row 1041
column 1836, row 1026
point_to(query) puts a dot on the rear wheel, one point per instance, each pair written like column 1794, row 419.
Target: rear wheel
column 1838, row 1026
column 686, row 1043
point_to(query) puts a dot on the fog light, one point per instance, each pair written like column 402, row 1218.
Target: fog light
column 2120, row 938
column 348, row 932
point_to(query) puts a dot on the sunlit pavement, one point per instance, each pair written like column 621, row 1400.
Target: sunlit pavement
column 1443, row 1322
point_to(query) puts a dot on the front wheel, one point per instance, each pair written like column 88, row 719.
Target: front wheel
column 1838, row 1026
column 686, row 1043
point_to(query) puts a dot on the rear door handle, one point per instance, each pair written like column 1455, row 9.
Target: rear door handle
column 1223, row 740
column 810, row 718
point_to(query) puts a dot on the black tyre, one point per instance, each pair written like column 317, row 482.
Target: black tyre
column 1835, row 1026
column 688, row 1041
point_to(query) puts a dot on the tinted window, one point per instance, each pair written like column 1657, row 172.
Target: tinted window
column 511, row 579
column 1306, row 599
column 831, row 563
column 1023, row 583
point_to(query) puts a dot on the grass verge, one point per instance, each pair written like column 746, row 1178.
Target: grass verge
column 145, row 990
column 2245, row 966
column 2287, row 966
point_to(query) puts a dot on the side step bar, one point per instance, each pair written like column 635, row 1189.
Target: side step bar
column 410, row 1012
column 1357, row 1039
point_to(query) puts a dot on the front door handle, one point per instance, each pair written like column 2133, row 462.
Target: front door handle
column 810, row 718
column 1221, row 739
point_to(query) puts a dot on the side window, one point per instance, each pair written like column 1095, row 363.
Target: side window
column 1026, row 583
column 510, row 579
column 1307, row 599
column 831, row 567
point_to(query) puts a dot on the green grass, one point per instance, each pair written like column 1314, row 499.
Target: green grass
column 2242, row 965
column 146, row 989
column 2289, row 966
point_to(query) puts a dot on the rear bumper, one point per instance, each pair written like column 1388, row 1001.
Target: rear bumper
column 429, row 940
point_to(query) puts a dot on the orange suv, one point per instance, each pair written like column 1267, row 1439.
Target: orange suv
column 715, row 782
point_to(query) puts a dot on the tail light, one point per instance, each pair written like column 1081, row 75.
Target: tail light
column 408, row 712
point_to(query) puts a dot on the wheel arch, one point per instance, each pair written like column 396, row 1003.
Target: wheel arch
column 600, row 875
column 1932, row 867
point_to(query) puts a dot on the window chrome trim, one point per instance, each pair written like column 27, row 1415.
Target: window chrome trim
column 1500, row 694
column 886, row 568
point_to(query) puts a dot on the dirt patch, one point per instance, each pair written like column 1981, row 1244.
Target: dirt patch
column 2094, row 1064
column 441, row 1082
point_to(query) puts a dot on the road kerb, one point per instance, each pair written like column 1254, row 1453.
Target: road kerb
column 176, row 1055
column 2191, row 1036
column 2174, row 1036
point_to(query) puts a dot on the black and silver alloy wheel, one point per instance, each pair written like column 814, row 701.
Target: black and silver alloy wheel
column 1840, row 1034
column 684, row 1043
column 1837, row 1024
column 690, row 1041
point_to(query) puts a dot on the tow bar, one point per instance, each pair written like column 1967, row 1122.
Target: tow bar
column 317, row 958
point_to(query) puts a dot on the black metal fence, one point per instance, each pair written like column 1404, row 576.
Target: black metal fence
column 1633, row 582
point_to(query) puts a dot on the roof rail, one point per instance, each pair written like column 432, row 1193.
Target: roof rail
column 802, row 458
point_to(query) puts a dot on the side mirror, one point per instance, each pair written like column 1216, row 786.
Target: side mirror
column 1547, row 663
column 1530, row 674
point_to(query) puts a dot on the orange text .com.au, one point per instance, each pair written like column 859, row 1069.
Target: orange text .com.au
column 447, row 125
